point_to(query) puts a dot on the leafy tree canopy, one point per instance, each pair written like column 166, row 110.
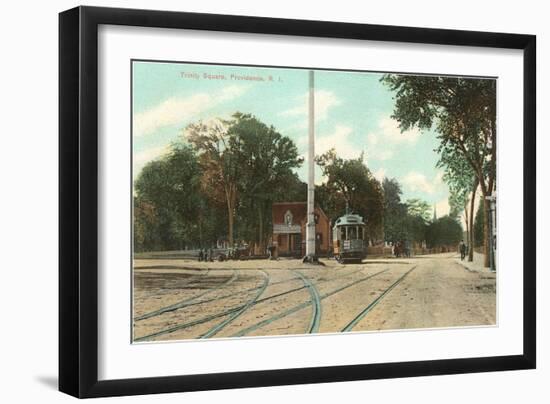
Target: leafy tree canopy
column 463, row 112
column 351, row 182
column 445, row 231
column 419, row 208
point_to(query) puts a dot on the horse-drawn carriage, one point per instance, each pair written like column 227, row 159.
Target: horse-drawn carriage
column 402, row 249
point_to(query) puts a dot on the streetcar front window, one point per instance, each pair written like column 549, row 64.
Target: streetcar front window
column 352, row 233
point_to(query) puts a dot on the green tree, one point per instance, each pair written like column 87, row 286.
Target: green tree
column 463, row 186
column 246, row 165
column 395, row 211
column 464, row 114
column 292, row 189
column 167, row 200
column 334, row 205
column 219, row 157
column 416, row 228
column 219, row 171
column 351, row 182
column 478, row 226
column 445, row 231
column 267, row 161
column 144, row 226
column 417, row 219
column 403, row 220
column 419, row 208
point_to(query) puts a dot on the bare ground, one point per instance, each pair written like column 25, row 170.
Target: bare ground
column 182, row 299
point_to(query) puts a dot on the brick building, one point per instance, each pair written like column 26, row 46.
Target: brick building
column 289, row 229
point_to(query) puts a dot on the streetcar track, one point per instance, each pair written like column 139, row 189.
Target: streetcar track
column 316, row 306
column 302, row 306
column 145, row 267
column 375, row 302
column 237, row 308
column 192, row 268
column 214, row 330
column 185, row 303
column 187, row 325
column 201, row 320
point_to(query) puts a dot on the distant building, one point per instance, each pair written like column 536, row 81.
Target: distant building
column 289, row 229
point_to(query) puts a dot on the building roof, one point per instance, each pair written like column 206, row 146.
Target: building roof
column 298, row 210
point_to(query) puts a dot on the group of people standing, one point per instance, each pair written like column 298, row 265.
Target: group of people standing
column 401, row 249
column 206, row 255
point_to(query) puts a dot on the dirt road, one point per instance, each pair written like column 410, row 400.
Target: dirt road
column 182, row 299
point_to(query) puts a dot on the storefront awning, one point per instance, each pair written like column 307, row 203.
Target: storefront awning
column 285, row 229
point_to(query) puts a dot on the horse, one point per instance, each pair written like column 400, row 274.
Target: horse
column 398, row 249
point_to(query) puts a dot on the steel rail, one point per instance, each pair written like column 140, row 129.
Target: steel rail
column 238, row 309
column 217, row 328
column 302, row 306
column 316, row 306
column 373, row 304
column 185, row 303
column 235, row 309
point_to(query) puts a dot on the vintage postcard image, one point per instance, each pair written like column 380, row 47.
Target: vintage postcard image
column 272, row 201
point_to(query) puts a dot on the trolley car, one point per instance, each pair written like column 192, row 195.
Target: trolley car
column 349, row 233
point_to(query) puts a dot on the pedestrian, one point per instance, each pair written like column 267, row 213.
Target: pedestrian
column 270, row 251
column 210, row 255
column 462, row 248
column 200, row 254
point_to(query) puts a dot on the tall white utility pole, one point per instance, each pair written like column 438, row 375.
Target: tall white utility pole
column 310, row 229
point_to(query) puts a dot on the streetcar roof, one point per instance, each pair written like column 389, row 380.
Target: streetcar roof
column 350, row 219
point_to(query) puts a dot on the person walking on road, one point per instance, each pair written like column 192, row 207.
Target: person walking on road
column 462, row 248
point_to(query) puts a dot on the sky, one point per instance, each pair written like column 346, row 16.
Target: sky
column 352, row 114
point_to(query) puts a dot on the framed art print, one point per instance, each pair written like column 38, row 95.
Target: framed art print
column 249, row 201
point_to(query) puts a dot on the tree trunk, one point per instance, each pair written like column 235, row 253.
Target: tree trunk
column 230, row 220
column 200, row 230
column 260, row 228
column 471, row 219
column 467, row 220
column 231, row 197
column 230, row 226
column 485, row 192
column 486, row 232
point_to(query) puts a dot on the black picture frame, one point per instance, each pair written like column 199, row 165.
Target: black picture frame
column 78, row 201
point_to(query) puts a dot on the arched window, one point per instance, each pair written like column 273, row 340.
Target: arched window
column 288, row 218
